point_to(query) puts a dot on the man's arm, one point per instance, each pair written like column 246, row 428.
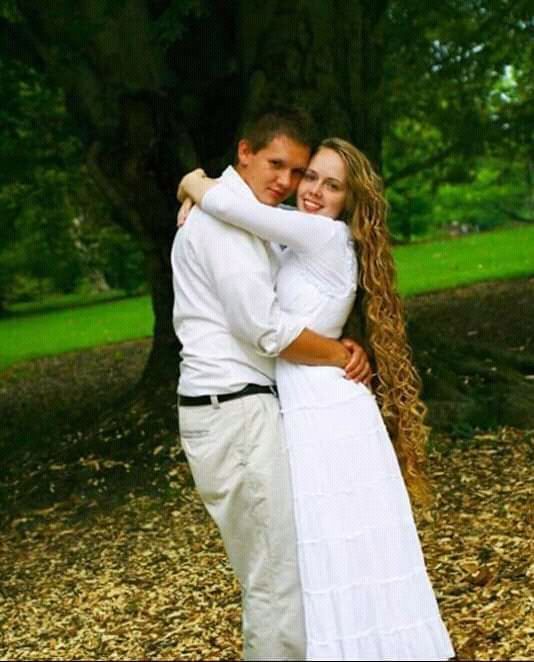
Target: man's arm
column 253, row 314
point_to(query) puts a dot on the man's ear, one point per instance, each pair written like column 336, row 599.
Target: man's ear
column 244, row 152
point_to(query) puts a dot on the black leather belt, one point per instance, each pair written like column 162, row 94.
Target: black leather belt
column 250, row 389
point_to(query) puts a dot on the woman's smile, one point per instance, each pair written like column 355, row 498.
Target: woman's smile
column 311, row 206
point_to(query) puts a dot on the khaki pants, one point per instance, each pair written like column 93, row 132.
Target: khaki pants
column 239, row 462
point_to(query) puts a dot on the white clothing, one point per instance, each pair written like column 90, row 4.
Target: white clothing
column 230, row 324
column 367, row 595
column 226, row 314
column 238, row 458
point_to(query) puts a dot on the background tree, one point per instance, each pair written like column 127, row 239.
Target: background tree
column 56, row 230
column 154, row 88
column 39, row 159
column 458, row 80
column 115, row 100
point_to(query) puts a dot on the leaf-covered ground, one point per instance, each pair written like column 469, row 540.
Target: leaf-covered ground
column 148, row 579
column 107, row 553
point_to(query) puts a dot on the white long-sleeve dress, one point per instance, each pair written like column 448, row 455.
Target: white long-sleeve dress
column 366, row 592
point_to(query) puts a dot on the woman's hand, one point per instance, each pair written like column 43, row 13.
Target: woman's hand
column 183, row 212
column 358, row 367
column 194, row 185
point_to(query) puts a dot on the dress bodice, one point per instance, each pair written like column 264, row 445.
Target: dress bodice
column 320, row 288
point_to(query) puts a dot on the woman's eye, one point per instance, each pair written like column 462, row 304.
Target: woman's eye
column 309, row 176
column 333, row 187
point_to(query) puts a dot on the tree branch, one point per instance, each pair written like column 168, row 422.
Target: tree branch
column 514, row 214
column 127, row 217
column 414, row 168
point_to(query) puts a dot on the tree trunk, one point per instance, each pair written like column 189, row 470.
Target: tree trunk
column 163, row 360
column 326, row 56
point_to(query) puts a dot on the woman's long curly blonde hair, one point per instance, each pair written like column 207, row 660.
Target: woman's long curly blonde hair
column 397, row 384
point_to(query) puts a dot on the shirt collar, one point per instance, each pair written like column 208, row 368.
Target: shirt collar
column 236, row 183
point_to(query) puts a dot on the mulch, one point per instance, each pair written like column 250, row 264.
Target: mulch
column 148, row 579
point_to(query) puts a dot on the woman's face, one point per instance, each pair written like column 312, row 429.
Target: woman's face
column 323, row 188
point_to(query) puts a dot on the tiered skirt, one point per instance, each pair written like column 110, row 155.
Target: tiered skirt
column 367, row 595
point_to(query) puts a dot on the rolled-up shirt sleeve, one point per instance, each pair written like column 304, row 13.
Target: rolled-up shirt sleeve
column 253, row 313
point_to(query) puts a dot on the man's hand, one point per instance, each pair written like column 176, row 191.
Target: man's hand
column 358, row 368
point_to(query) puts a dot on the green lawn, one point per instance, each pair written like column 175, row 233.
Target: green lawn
column 440, row 265
column 422, row 268
column 30, row 336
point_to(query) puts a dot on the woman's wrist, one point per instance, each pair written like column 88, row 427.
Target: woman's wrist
column 203, row 185
column 194, row 185
column 344, row 356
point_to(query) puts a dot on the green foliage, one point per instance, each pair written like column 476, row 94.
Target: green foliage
column 411, row 211
column 170, row 26
column 110, row 253
column 38, row 166
column 44, row 192
column 458, row 90
column 458, row 102
column 491, row 193
column 497, row 193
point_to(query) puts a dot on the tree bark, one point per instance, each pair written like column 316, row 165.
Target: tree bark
column 326, row 56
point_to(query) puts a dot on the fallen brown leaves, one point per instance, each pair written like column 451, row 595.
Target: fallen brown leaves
column 148, row 579
column 479, row 546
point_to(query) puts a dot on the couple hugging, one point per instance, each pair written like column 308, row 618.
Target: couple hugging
column 285, row 439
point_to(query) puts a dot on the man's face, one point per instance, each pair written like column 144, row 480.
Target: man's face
column 273, row 172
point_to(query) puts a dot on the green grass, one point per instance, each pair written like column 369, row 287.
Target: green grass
column 440, row 265
column 422, row 268
column 60, row 331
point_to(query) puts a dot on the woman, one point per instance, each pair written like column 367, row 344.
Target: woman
column 366, row 592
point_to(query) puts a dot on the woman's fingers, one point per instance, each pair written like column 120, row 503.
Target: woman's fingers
column 183, row 191
column 183, row 212
column 360, row 372
column 358, row 368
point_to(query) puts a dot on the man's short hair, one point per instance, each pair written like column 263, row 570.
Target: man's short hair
column 291, row 121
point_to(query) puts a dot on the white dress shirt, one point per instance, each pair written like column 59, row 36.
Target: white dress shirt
column 226, row 313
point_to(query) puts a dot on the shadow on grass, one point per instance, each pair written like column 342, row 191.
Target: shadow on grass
column 21, row 311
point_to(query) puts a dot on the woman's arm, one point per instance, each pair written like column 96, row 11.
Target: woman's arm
column 300, row 231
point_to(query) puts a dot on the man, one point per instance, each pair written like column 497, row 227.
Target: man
column 227, row 317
